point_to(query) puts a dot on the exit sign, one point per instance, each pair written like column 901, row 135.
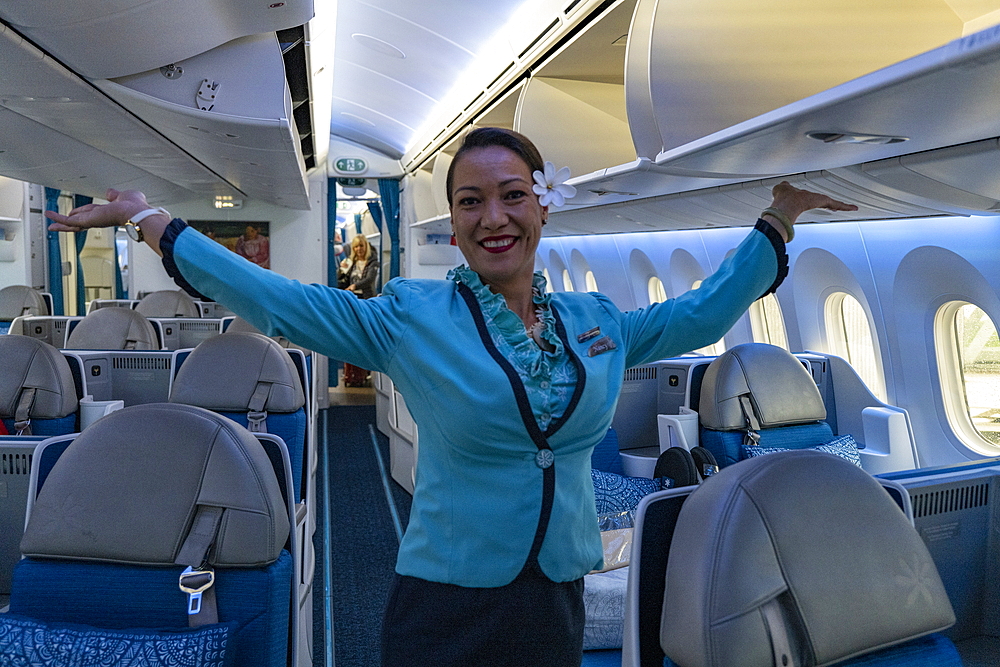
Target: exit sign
column 352, row 182
column 350, row 165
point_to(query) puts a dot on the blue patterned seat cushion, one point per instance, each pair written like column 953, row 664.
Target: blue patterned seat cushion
column 124, row 596
column 25, row 642
column 617, row 493
column 845, row 447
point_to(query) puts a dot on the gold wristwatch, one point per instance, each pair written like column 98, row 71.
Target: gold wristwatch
column 132, row 226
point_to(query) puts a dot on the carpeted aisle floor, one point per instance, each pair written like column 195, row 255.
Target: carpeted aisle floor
column 362, row 537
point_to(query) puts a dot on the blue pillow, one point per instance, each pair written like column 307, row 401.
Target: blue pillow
column 845, row 447
column 25, row 642
column 617, row 493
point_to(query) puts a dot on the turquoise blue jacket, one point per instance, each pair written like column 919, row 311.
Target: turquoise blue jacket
column 478, row 494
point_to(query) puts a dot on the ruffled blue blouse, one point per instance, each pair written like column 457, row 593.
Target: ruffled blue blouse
column 549, row 376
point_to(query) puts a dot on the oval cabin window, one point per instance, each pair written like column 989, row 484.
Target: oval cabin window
column 567, row 281
column 656, row 292
column 850, row 337
column 548, row 280
column 716, row 348
column 968, row 356
column 591, row 281
column 766, row 322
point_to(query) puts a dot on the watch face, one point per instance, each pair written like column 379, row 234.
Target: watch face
column 133, row 231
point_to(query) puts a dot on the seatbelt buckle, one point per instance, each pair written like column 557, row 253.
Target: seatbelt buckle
column 257, row 421
column 194, row 583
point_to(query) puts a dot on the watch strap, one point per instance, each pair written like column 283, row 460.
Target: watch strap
column 142, row 215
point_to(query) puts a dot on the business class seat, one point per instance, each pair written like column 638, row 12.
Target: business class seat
column 113, row 329
column 37, row 392
column 252, row 380
column 168, row 303
column 118, row 516
column 19, row 300
column 799, row 559
column 240, row 325
column 761, row 396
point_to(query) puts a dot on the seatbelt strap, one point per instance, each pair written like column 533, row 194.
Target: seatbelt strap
column 130, row 344
column 257, row 416
column 197, row 579
column 752, row 436
column 781, row 645
column 22, row 413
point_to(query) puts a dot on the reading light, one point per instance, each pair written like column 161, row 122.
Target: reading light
column 227, row 201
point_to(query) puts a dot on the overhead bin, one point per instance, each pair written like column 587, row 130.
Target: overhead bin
column 579, row 124
column 102, row 39
column 940, row 105
column 696, row 68
column 61, row 132
column 230, row 108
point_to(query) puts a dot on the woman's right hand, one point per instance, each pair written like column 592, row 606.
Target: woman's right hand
column 120, row 208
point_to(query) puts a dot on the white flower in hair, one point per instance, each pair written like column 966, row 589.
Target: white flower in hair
column 551, row 186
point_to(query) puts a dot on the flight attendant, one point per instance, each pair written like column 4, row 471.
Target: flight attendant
column 510, row 386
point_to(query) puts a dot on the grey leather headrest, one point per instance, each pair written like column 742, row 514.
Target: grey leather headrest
column 779, row 388
column 812, row 534
column 225, row 372
column 31, row 363
column 18, row 300
column 128, row 488
column 113, row 329
column 168, row 303
column 240, row 325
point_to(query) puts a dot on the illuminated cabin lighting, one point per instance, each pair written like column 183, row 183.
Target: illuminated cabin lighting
column 227, row 201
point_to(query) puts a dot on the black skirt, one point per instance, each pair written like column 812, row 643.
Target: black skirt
column 531, row 622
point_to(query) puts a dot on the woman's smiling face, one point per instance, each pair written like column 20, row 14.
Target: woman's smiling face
column 496, row 218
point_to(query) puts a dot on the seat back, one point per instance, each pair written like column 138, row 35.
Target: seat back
column 240, row 325
column 113, row 329
column 138, row 496
column 759, row 394
column 250, row 379
column 168, row 303
column 37, row 392
column 796, row 558
column 18, row 300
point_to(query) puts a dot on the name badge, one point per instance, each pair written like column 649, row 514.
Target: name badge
column 587, row 335
column 603, row 345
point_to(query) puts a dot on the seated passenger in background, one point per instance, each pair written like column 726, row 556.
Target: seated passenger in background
column 510, row 386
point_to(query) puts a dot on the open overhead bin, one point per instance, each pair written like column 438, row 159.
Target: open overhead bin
column 913, row 139
column 694, row 68
column 61, row 132
column 231, row 109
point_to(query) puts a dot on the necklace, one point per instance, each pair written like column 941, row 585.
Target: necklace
column 535, row 330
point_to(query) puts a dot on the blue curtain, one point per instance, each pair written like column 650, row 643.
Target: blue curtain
column 388, row 189
column 332, row 261
column 376, row 212
column 376, row 216
column 81, row 240
column 55, row 256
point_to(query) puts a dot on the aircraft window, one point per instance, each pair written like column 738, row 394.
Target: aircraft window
column 968, row 353
column 850, row 336
column 766, row 322
column 548, row 280
column 716, row 348
column 567, row 282
column 591, row 282
column 656, row 292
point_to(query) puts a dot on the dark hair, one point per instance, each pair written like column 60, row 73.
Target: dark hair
column 496, row 136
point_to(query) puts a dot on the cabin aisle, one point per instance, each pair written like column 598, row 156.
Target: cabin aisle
column 363, row 536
